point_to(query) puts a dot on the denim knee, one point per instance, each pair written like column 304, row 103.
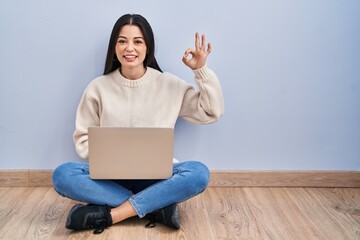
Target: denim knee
column 57, row 175
column 200, row 174
column 203, row 176
column 61, row 177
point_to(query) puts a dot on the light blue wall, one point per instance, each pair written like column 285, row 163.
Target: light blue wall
column 290, row 72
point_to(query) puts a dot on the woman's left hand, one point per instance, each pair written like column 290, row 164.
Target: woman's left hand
column 199, row 55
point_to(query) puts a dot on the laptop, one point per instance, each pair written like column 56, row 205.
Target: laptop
column 130, row 153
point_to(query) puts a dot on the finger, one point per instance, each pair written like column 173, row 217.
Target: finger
column 203, row 42
column 208, row 51
column 185, row 59
column 197, row 40
column 187, row 52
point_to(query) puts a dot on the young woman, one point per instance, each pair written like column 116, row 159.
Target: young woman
column 134, row 92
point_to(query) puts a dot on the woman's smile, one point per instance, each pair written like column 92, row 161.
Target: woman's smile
column 130, row 58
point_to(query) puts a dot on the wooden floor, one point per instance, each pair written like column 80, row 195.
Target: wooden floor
column 218, row 213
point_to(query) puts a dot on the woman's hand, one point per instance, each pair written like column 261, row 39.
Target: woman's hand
column 199, row 55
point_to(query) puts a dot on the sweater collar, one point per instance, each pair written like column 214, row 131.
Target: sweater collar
column 119, row 79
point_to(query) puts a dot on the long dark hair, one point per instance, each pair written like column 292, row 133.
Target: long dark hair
column 112, row 63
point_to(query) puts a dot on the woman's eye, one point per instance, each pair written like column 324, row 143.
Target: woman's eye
column 138, row 42
column 122, row 41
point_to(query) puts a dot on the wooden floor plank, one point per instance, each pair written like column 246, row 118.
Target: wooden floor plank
column 336, row 205
column 60, row 232
column 195, row 221
column 325, row 224
column 294, row 216
column 44, row 224
column 268, row 216
column 11, row 202
column 3, row 191
column 224, row 213
column 350, row 201
column 277, row 215
column 250, row 229
column 218, row 213
column 19, row 224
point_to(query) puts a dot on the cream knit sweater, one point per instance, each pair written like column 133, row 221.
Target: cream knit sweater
column 154, row 100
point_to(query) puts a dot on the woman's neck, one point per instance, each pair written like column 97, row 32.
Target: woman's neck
column 132, row 73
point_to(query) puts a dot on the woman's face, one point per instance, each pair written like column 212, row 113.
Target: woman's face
column 131, row 48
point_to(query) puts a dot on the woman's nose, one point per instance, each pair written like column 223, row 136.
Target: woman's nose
column 130, row 47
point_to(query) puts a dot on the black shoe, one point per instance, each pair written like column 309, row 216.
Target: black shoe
column 168, row 216
column 89, row 217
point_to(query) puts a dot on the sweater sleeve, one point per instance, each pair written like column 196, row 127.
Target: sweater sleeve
column 87, row 115
column 207, row 104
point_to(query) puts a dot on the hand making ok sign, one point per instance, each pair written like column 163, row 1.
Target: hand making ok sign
column 199, row 55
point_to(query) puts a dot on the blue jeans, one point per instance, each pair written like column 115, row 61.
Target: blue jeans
column 189, row 179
